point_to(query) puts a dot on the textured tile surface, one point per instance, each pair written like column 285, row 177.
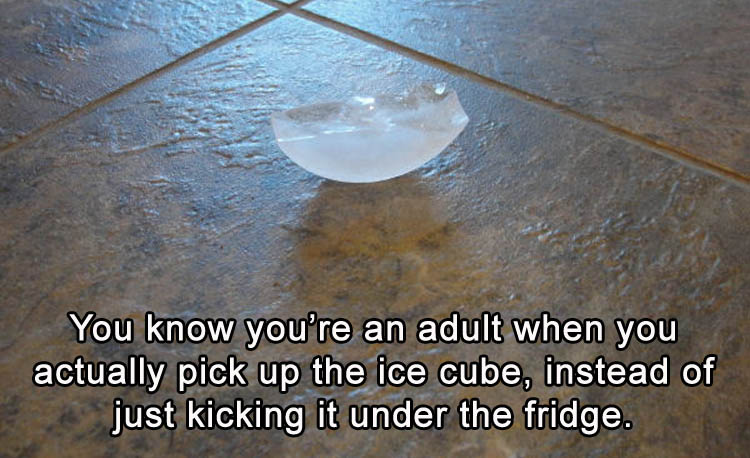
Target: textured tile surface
column 59, row 55
column 175, row 199
column 672, row 70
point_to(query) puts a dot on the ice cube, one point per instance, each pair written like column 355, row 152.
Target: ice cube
column 371, row 138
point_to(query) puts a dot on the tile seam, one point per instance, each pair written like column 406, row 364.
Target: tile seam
column 664, row 149
column 87, row 108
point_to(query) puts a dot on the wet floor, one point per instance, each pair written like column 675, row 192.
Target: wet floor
column 138, row 172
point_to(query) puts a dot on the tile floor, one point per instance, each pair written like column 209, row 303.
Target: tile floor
column 138, row 172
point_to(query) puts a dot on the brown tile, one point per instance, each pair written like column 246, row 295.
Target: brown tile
column 674, row 71
column 175, row 199
column 59, row 55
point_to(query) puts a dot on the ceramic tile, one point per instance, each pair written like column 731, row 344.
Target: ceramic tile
column 58, row 56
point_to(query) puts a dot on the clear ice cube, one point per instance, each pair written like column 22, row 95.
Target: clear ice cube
column 366, row 139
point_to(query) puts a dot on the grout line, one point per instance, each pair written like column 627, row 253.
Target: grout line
column 662, row 148
column 150, row 76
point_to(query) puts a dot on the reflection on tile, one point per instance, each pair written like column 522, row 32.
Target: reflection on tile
column 59, row 55
column 672, row 70
column 175, row 199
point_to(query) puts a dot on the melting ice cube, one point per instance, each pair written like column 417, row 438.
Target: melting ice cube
column 367, row 139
